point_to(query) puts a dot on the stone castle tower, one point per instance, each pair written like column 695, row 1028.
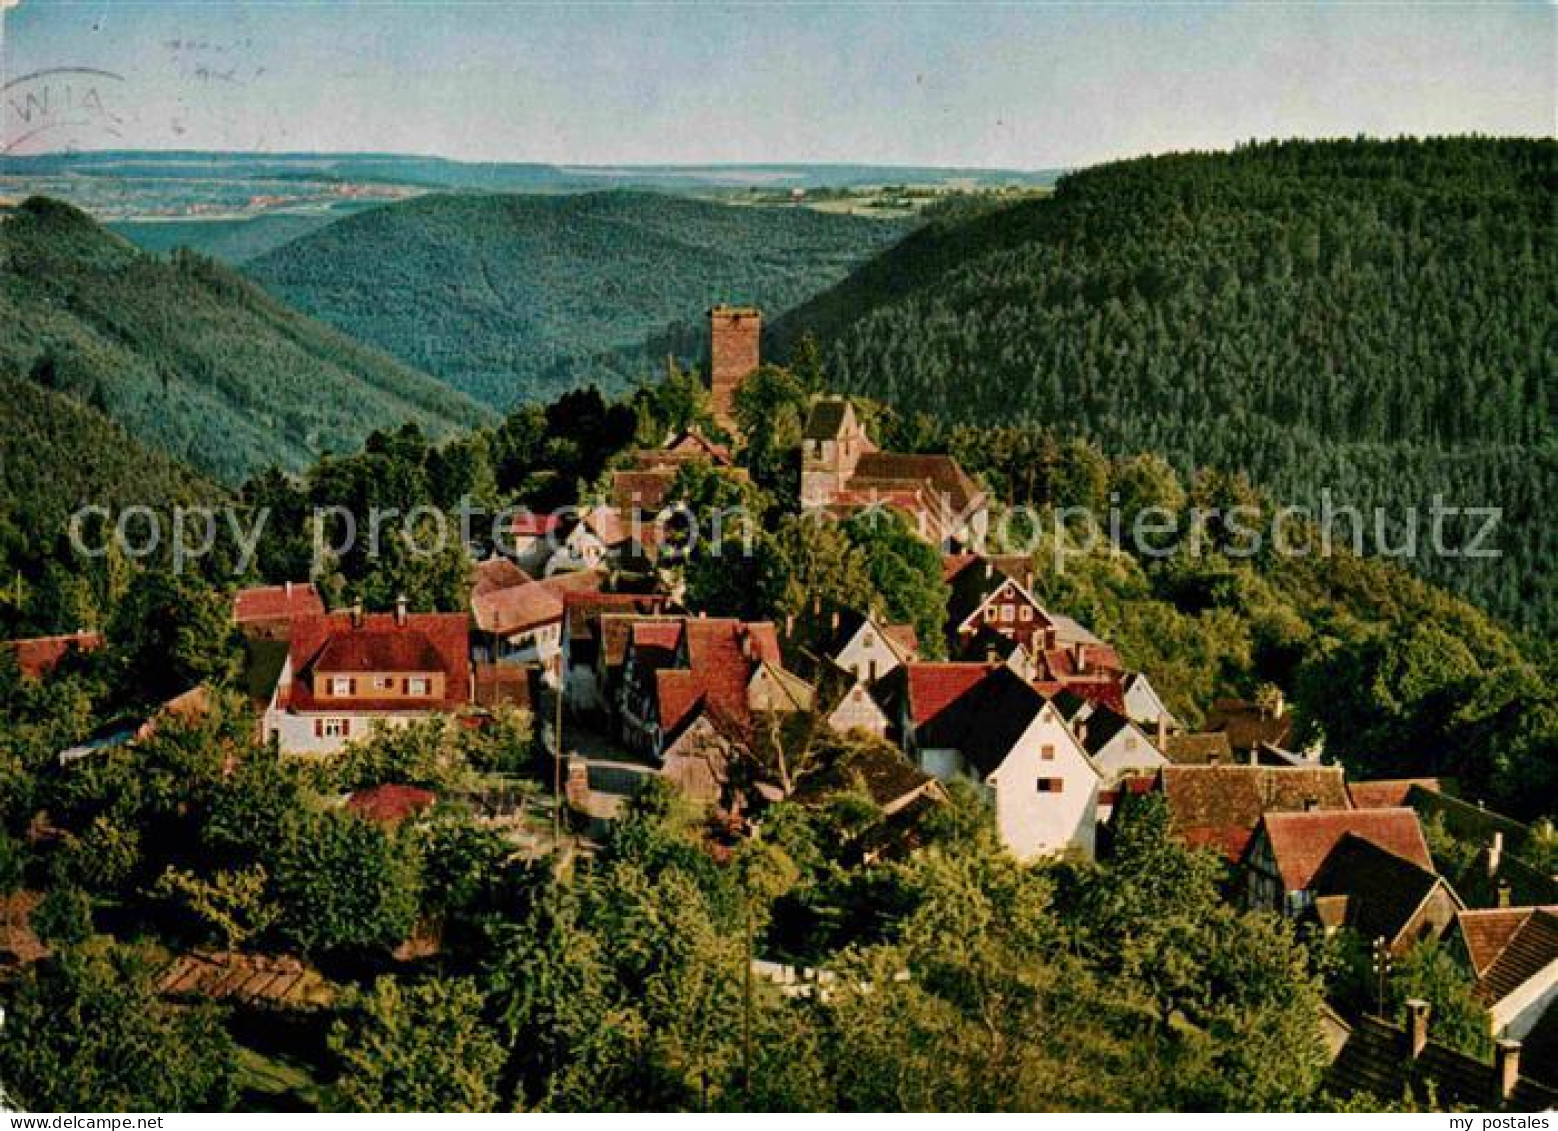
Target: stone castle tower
column 831, row 447
column 733, row 355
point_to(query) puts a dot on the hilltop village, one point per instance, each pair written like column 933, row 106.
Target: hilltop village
column 581, row 626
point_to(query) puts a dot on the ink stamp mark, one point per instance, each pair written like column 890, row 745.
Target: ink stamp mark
column 59, row 108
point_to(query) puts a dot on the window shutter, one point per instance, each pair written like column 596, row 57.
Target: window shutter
column 346, row 728
column 319, row 728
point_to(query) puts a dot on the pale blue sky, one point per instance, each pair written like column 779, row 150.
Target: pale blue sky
column 1011, row 85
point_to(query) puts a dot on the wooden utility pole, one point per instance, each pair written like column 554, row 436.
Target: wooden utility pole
column 557, row 764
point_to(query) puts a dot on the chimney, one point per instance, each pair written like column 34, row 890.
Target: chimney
column 400, row 609
column 1506, row 1069
column 1082, row 732
column 789, row 626
column 833, row 621
column 1162, row 731
column 289, row 590
column 577, row 787
column 1495, row 854
column 1079, row 656
column 1503, row 893
column 989, row 569
column 356, row 614
column 1417, row 1027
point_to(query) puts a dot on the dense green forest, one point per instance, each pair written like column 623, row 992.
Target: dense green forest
column 58, row 454
column 513, row 297
column 1375, row 318
column 189, row 356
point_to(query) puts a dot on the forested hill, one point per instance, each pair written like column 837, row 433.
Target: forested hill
column 1376, row 318
column 191, row 357
column 56, row 455
column 517, row 297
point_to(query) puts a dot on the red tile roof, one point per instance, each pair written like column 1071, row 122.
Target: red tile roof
column 721, row 655
column 1302, row 841
column 521, row 608
column 1386, row 794
column 933, row 687
column 496, row 573
column 40, row 655
column 1486, row 931
column 1527, row 951
column 1107, row 692
column 642, row 490
column 425, row 642
column 1219, row 806
column 390, row 804
column 276, row 603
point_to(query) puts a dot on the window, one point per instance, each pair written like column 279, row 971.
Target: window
column 1130, row 742
column 1050, row 785
column 1008, row 613
column 332, row 728
column 417, row 685
column 383, row 683
column 1025, row 614
column 1047, row 752
column 341, row 685
column 989, row 612
column 868, row 640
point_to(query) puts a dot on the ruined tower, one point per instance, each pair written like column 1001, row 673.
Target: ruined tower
column 733, row 355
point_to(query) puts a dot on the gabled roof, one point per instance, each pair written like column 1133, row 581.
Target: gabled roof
column 386, row 648
column 426, row 642
column 827, row 418
column 532, row 604
column 496, row 573
column 685, row 447
column 1486, row 931
column 928, row 687
column 985, row 722
column 721, row 656
column 942, row 473
column 1387, row 793
column 276, row 603
column 1101, row 728
column 37, row 656
column 1100, row 692
column 1383, row 890
column 974, row 583
column 1198, row 749
column 642, row 489
column 1509, row 947
column 652, row 635
column 1301, row 841
column 1247, row 724
column 1219, row 806
column 584, row 610
column 890, row 778
column 1374, row 1061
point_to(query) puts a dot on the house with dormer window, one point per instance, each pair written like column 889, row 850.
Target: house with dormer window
column 347, row 672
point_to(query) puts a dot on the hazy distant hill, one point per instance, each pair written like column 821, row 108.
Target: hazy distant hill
column 189, row 356
column 514, row 297
column 487, row 176
column 232, row 241
column 1375, row 318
